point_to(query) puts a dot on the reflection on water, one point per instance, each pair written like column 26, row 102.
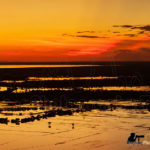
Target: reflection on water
column 11, row 81
column 37, row 110
column 58, row 79
column 140, row 88
column 39, row 125
column 69, row 78
column 106, row 88
column 22, row 90
column 44, row 66
column 3, row 88
column 67, row 120
column 122, row 88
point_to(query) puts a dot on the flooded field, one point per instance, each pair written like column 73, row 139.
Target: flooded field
column 95, row 128
column 74, row 107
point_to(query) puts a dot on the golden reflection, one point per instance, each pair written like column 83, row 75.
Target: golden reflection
column 69, row 78
column 11, row 81
column 3, row 88
column 120, row 88
column 112, row 88
column 44, row 66
column 95, row 124
column 23, row 90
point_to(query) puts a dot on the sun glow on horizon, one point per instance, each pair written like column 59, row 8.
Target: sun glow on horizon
column 81, row 30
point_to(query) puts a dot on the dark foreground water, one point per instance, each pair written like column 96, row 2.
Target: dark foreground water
column 74, row 106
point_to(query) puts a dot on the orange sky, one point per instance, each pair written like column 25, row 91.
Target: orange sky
column 80, row 30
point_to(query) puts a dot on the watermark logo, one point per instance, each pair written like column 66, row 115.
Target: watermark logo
column 135, row 139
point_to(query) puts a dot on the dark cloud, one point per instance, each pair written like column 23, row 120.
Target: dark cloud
column 87, row 36
column 80, row 32
column 74, row 50
column 141, row 32
column 145, row 49
column 132, row 55
column 130, row 35
column 143, row 28
column 67, row 35
column 116, row 32
column 91, row 36
column 129, row 50
column 123, row 26
column 127, row 43
column 127, row 55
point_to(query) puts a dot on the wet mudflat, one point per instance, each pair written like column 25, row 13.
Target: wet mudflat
column 94, row 129
column 74, row 107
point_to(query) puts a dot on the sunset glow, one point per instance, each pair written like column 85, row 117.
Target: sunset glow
column 81, row 30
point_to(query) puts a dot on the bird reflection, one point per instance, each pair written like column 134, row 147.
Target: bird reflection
column 72, row 125
column 49, row 124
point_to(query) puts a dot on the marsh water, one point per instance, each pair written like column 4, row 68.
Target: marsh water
column 74, row 106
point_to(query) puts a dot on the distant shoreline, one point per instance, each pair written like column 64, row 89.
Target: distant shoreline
column 73, row 62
